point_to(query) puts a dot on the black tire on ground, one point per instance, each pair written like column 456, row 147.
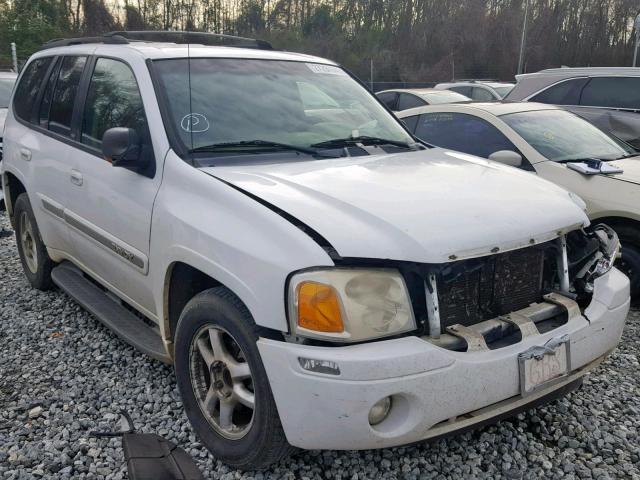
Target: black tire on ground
column 36, row 263
column 630, row 261
column 264, row 441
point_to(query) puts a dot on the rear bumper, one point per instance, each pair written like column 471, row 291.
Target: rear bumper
column 435, row 391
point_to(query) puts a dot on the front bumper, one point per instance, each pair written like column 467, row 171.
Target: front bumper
column 435, row 391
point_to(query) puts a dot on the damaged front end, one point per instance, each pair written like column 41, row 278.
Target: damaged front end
column 591, row 254
column 495, row 301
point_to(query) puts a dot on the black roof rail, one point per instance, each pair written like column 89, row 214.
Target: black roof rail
column 182, row 37
column 124, row 37
column 65, row 42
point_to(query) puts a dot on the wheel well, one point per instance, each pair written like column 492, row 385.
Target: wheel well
column 184, row 283
column 616, row 222
column 15, row 189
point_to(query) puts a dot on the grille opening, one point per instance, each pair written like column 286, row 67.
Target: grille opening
column 471, row 291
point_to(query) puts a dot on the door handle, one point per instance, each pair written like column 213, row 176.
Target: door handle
column 25, row 154
column 76, row 177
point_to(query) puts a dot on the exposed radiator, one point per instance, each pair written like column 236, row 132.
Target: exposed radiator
column 470, row 291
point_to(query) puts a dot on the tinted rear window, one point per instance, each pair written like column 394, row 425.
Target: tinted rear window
column 27, row 89
column 615, row 92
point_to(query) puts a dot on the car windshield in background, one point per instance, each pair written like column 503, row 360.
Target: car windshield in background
column 444, row 96
column 6, row 86
column 502, row 91
column 562, row 136
column 247, row 103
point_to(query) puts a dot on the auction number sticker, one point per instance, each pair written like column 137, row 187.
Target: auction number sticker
column 325, row 69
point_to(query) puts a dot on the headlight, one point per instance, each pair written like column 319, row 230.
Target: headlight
column 349, row 305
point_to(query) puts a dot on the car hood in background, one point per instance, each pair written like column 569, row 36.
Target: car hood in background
column 430, row 206
column 630, row 167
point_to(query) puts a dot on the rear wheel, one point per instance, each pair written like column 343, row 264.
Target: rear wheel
column 223, row 383
column 33, row 254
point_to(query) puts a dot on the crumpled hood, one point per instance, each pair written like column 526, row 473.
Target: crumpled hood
column 429, row 206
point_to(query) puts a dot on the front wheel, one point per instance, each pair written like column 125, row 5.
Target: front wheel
column 224, row 386
column 629, row 263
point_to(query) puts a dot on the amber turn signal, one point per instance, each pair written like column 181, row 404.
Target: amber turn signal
column 319, row 308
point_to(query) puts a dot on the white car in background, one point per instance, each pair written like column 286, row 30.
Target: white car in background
column 479, row 90
column 403, row 99
column 558, row 146
column 7, row 81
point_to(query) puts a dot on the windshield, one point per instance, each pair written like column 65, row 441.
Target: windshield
column 562, row 136
column 444, row 96
column 6, row 86
column 502, row 91
column 293, row 103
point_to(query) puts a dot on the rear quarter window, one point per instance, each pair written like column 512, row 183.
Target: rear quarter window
column 28, row 88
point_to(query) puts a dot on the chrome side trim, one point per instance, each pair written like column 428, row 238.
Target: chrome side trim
column 52, row 208
column 122, row 250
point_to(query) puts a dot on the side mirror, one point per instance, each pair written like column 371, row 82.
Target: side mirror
column 507, row 157
column 122, row 147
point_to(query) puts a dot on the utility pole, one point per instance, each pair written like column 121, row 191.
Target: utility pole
column 371, row 74
column 523, row 39
column 14, row 57
column 637, row 44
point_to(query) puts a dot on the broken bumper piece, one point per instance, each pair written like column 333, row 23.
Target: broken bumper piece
column 434, row 391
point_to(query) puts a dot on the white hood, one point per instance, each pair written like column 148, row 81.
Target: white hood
column 430, row 206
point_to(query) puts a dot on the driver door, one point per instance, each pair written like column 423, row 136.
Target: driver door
column 110, row 207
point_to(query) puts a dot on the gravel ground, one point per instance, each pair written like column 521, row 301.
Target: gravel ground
column 62, row 374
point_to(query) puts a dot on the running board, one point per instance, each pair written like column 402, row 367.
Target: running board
column 113, row 315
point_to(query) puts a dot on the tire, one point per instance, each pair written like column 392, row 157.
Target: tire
column 629, row 264
column 248, row 444
column 36, row 263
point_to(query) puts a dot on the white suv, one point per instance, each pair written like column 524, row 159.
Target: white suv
column 481, row 91
column 318, row 278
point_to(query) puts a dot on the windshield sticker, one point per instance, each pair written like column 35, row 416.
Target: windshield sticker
column 325, row 69
column 194, row 123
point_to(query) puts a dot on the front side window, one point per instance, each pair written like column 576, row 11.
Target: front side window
column 562, row 136
column 463, row 133
column 64, row 94
column 113, row 100
column 27, row 89
column 244, row 100
column 613, row 92
column 563, row 93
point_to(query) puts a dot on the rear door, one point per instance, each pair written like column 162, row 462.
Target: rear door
column 110, row 207
column 44, row 105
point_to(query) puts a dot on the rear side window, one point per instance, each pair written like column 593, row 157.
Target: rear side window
column 407, row 101
column 563, row 93
column 614, row 92
column 466, row 91
column 462, row 132
column 64, row 94
column 27, row 89
column 388, row 98
column 481, row 94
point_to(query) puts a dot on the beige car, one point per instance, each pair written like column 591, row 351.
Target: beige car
column 557, row 145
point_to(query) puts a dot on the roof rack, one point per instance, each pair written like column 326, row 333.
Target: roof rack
column 180, row 37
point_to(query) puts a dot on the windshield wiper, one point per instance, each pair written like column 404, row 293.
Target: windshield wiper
column 250, row 145
column 364, row 140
